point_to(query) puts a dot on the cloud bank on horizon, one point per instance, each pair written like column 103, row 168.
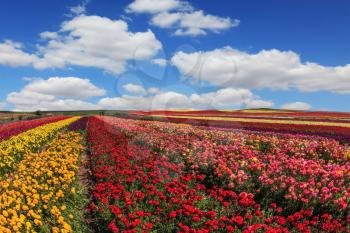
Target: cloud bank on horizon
column 230, row 76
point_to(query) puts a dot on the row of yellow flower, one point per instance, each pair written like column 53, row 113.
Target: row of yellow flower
column 36, row 197
column 13, row 149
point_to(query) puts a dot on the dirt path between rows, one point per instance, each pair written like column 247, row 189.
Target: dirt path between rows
column 86, row 181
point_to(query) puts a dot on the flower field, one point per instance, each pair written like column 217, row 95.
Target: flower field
column 329, row 124
column 109, row 174
column 11, row 129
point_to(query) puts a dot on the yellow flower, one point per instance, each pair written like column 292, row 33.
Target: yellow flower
column 347, row 153
column 25, row 195
column 55, row 230
column 72, row 190
column 5, row 213
column 37, row 222
column 28, row 225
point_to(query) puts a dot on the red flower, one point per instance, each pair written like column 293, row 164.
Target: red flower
column 230, row 229
column 115, row 210
column 243, row 195
column 148, row 225
column 139, row 213
column 104, row 200
column 113, row 227
column 172, row 214
column 195, row 218
column 239, row 220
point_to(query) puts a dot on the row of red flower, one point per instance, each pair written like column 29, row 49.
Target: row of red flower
column 14, row 128
column 170, row 177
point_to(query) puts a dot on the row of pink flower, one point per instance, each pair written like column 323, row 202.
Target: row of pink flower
column 153, row 175
column 14, row 128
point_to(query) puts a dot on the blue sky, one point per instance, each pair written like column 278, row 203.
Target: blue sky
column 157, row 54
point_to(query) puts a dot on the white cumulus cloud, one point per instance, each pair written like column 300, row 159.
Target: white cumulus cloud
column 258, row 103
column 297, row 106
column 270, row 69
column 154, row 98
column 56, row 93
column 67, row 87
column 166, row 100
column 79, row 9
column 87, row 41
column 94, row 41
column 11, row 54
column 153, row 90
column 155, row 6
column 135, row 89
column 221, row 98
column 48, row 35
column 181, row 16
column 160, row 62
column 58, row 105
